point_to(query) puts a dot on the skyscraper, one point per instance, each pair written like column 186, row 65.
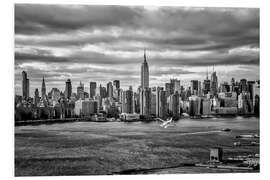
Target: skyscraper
column 214, row 83
column 80, row 91
column 168, row 89
column 43, row 88
column 243, row 85
column 206, row 84
column 109, row 89
column 144, row 74
column 194, row 87
column 68, row 89
column 36, row 99
column 161, row 109
column 127, row 102
column 93, row 86
column 175, row 83
column 153, row 103
column 25, row 85
column 116, row 84
column 174, row 104
column 145, row 102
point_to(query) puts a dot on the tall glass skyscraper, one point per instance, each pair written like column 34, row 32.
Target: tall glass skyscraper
column 93, row 86
column 25, row 85
column 68, row 89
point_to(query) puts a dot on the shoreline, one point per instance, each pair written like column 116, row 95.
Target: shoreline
column 67, row 120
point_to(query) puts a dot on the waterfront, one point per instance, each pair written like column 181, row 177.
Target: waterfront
column 84, row 148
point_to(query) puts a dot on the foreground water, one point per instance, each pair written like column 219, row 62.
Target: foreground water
column 80, row 148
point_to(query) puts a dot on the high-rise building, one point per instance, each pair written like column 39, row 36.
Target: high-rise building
column 43, row 88
column 93, row 86
column 109, row 89
column 101, row 91
column 144, row 74
column 214, row 83
column 80, row 91
column 194, row 87
column 136, row 102
column 25, row 85
column 37, row 98
column 225, row 87
column 153, row 103
column 68, row 89
column 168, row 89
column 206, row 84
column 161, row 109
column 175, row 83
column 256, row 97
column 116, row 84
column 243, row 85
column 245, row 103
column 194, row 105
column 145, row 102
column 174, row 105
column 127, row 102
column 116, row 89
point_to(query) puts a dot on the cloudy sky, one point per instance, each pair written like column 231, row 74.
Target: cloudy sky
column 103, row 43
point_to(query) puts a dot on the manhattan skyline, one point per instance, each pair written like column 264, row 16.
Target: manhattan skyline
column 104, row 43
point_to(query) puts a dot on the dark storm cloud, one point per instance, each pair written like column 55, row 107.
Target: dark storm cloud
column 209, row 61
column 97, row 38
column 40, row 19
column 26, row 57
column 82, row 57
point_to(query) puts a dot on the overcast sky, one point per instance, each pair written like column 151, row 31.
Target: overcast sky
column 103, row 43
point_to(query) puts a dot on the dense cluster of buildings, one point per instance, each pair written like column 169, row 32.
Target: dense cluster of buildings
column 173, row 100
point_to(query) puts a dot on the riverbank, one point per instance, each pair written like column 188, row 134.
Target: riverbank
column 88, row 119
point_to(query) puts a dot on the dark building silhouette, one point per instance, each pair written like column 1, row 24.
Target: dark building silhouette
column 43, row 88
column 116, row 84
column 109, row 89
column 37, row 98
column 93, row 86
column 68, row 89
column 214, row 83
column 206, row 84
column 25, row 85
column 127, row 103
column 194, row 87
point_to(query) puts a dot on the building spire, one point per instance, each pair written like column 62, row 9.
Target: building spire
column 144, row 55
column 43, row 88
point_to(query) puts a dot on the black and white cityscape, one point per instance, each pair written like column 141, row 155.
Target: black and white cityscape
column 103, row 90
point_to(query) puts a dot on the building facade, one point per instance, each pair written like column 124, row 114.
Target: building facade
column 145, row 102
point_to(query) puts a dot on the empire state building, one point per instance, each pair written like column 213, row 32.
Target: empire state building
column 144, row 73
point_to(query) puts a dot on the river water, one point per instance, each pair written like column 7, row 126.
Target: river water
column 78, row 148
